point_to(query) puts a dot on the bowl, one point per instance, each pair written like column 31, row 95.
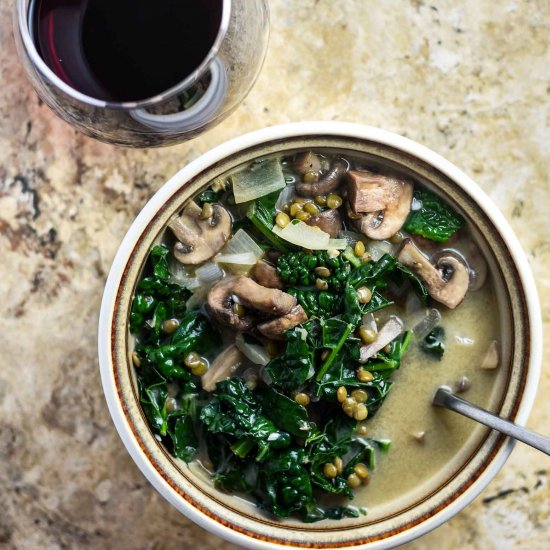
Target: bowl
column 239, row 521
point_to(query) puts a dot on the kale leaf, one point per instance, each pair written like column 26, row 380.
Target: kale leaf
column 181, row 427
column 434, row 343
column 298, row 268
column 209, row 195
column 285, row 413
column 237, row 412
column 156, row 298
column 195, row 333
column 177, row 428
column 153, row 402
column 290, row 369
column 434, row 220
column 262, row 214
column 286, row 484
column 319, row 304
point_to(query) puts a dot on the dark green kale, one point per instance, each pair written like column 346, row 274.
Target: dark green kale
column 238, row 413
column 317, row 303
column 292, row 368
column 343, row 369
column 195, row 333
column 435, row 219
column 262, row 214
column 434, row 343
column 416, row 283
column 156, row 298
column 298, row 268
column 209, row 195
column 177, row 427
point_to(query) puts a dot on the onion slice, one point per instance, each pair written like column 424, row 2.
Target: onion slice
column 242, row 242
column 244, row 258
column 427, row 324
column 388, row 333
column 257, row 180
column 255, row 353
column 209, row 273
column 309, row 237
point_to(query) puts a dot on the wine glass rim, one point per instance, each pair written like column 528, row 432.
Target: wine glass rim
column 48, row 74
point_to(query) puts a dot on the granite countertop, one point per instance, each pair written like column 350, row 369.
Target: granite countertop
column 469, row 79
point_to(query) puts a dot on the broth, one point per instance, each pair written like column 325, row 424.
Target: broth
column 449, row 438
column 298, row 315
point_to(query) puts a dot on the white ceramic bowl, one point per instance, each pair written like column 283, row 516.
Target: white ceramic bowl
column 232, row 519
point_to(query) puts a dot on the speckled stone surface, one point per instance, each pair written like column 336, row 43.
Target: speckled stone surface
column 470, row 79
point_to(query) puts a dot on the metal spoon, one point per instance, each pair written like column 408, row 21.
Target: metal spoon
column 444, row 397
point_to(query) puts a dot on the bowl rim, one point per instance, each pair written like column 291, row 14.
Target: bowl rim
column 282, row 132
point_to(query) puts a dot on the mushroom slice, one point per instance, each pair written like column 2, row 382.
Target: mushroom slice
column 276, row 328
column 388, row 333
column 200, row 239
column 220, row 302
column 329, row 221
column 368, row 192
column 327, row 184
column 384, row 223
column 491, row 359
column 266, row 275
column 255, row 297
column 447, row 281
column 222, row 368
column 477, row 264
column 307, row 162
column 260, row 298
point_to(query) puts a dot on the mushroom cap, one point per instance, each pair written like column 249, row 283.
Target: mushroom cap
column 307, row 162
column 254, row 297
column 457, row 278
column 266, row 275
column 327, row 184
column 276, row 328
column 219, row 305
column 383, row 224
column 447, row 281
column 200, row 239
column 329, row 221
column 368, row 192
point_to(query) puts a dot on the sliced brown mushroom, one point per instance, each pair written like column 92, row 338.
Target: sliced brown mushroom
column 327, row 184
column 223, row 367
column 491, row 359
column 307, row 162
column 394, row 194
column 329, row 221
column 266, row 275
column 220, row 305
column 254, row 297
column 200, row 239
column 276, row 328
column 447, row 281
column 388, row 333
column 476, row 263
column 368, row 192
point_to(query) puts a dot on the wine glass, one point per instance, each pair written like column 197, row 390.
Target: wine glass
column 203, row 99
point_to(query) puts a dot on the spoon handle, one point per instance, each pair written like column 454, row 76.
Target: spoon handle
column 444, row 397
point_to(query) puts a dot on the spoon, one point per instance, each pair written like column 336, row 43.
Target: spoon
column 444, row 397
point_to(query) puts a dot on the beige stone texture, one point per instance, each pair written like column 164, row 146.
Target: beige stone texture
column 468, row 78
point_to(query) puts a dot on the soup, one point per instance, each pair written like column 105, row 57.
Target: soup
column 292, row 323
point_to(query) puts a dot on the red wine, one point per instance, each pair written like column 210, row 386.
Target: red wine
column 124, row 50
